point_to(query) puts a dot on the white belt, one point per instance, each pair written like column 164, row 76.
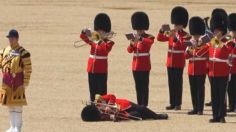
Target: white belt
column 197, row 59
column 218, row 60
column 141, row 54
column 175, row 51
column 98, row 57
column 233, row 55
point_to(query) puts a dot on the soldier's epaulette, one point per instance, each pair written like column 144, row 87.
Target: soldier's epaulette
column 109, row 41
column 149, row 36
column 187, row 36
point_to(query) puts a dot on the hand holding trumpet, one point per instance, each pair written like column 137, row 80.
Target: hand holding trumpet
column 93, row 36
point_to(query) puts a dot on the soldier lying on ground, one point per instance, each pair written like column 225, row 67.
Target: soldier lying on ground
column 108, row 107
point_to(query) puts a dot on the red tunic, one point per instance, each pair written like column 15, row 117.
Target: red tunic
column 175, row 57
column 218, row 60
column 97, row 62
column 233, row 55
column 111, row 99
column 198, row 59
column 141, row 49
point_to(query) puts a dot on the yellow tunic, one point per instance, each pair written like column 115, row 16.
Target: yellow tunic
column 16, row 70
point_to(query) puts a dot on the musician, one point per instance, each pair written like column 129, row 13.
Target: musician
column 219, row 69
column 140, row 47
column 232, row 83
column 215, row 11
column 197, row 55
column 108, row 107
column 97, row 63
column 175, row 57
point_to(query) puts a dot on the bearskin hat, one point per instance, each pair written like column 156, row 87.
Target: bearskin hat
column 232, row 22
column 219, row 21
column 197, row 26
column 218, row 10
column 179, row 16
column 102, row 22
column 140, row 21
column 90, row 113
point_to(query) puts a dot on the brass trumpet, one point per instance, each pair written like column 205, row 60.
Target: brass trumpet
column 95, row 37
column 215, row 42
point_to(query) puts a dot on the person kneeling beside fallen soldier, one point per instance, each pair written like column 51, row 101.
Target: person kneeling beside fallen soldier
column 108, row 107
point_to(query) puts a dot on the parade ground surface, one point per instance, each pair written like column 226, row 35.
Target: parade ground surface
column 59, row 81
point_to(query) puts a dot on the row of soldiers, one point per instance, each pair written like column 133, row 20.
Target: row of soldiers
column 210, row 51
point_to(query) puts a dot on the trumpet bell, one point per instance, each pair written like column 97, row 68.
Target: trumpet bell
column 79, row 43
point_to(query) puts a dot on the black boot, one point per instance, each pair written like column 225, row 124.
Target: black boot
column 222, row 120
column 192, row 112
column 161, row 117
column 208, row 104
column 171, row 107
column 214, row 120
column 178, row 107
column 200, row 113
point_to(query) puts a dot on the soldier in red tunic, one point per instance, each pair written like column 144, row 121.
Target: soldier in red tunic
column 197, row 54
column 175, row 57
column 219, row 69
column 232, row 83
column 140, row 47
column 215, row 11
column 108, row 107
column 97, row 62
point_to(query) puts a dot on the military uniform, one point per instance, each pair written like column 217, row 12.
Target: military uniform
column 176, row 58
column 232, row 83
column 197, row 66
column 126, row 109
column 141, row 64
column 98, row 59
column 219, row 69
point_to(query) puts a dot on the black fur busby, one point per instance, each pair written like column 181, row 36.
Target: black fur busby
column 218, row 10
column 232, row 22
column 179, row 16
column 197, row 26
column 102, row 22
column 219, row 21
column 90, row 113
column 140, row 21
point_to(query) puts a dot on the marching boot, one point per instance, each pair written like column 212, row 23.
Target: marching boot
column 161, row 117
column 208, row 104
column 200, row 112
column 214, row 120
column 178, row 107
column 222, row 120
column 170, row 107
column 192, row 112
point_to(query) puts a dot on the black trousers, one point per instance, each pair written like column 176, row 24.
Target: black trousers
column 141, row 79
column 197, row 88
column 141, row 111
column 97, row 84
column 232, row 92
column 175, row 81
column 218, row 96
